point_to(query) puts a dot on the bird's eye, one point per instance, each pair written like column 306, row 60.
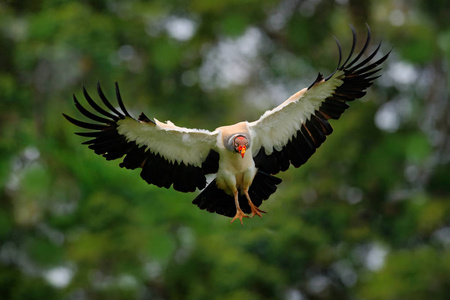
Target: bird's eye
column 236, row 144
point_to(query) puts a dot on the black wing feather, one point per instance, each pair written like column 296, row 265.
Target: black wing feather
column 119, row 100
column 217, row 201
column 106, row 102
column 87, row 113
column 97, row 107
column 358, row 76
column 106, row 141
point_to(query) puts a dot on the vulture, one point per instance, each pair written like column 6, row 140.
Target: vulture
column 245, row 156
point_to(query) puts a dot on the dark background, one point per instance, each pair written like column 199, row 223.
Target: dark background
column 368, row 217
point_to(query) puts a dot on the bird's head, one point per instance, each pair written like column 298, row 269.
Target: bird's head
column 240, row 144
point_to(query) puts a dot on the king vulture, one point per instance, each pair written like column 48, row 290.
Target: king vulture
column 244, row 156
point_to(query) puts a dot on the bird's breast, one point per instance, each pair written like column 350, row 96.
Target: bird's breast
column 234, row 162
column 235, row 172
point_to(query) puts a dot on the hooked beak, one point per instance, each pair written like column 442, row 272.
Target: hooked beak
column 241, row 150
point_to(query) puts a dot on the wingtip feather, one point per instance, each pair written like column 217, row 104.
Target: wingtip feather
column 119, row 100
column 106, row 102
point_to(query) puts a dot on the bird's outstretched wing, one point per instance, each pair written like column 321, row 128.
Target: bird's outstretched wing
column 291, row 132
column 167, row 154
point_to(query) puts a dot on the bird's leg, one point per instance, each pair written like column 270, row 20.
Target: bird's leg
column 255, row 210
column 239, row 213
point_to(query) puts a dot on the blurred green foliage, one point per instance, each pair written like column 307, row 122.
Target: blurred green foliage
column 368, row 217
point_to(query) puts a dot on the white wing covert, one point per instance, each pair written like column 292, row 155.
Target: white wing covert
column 290, row 133
column 167, row 154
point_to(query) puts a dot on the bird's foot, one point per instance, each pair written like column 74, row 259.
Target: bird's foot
column 239, row 215
column 256, row 211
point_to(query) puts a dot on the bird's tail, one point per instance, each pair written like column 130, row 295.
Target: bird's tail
column 215, row 200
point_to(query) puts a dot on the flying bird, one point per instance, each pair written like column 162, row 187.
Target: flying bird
column 244, row 156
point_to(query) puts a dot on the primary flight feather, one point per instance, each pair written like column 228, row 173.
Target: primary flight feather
column 244, row 156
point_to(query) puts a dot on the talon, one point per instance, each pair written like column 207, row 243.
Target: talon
column 239, row 215
column 256, row 211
